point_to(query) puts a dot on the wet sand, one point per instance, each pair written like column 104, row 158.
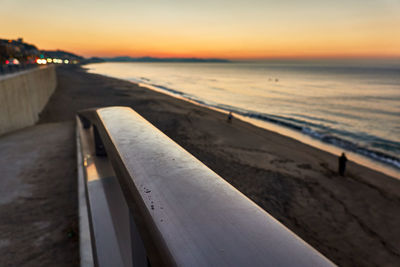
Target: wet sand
column 353, row 220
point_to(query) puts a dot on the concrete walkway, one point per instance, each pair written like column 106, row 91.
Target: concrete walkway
column 38, row 205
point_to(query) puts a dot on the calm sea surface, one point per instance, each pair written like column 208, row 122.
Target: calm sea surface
column 351, row 105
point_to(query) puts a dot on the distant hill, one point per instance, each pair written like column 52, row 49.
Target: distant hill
column 28, row 53
column 17, row 49
column 155, row 59
column 61, row 54
column 95, row 60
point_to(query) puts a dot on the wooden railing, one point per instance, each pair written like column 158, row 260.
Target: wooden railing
column 149, row 201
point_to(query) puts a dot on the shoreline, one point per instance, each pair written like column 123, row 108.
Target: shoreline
column 380, row 161
column 352, row 220
column 299, row 136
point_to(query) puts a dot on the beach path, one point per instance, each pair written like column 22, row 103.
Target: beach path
column 38, row 190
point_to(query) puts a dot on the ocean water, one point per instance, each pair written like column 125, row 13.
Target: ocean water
column 353, row 105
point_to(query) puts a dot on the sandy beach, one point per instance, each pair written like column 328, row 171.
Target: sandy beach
column 353, row 220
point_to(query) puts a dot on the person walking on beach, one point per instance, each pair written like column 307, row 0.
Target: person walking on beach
column 230, row 116
column 342, row 164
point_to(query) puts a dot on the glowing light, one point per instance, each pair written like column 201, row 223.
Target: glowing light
column 7, row 62
column 66, row 61
column 41, row 61
column 49, row 60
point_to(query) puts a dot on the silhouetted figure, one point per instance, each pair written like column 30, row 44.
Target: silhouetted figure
column 230, row 116
column 342, row 164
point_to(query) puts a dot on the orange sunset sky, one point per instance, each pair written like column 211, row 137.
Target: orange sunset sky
column 223, row 29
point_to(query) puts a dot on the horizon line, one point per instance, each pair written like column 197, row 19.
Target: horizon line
column 377, row 57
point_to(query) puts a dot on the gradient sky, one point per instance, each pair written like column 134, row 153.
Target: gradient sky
column 208, row 28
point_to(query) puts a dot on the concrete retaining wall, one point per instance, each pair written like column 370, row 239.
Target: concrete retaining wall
column 23, row 96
